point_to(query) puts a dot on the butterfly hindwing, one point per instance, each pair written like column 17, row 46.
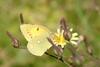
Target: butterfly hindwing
column 38, row 46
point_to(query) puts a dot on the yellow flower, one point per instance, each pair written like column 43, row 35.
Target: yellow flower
column 59, row 39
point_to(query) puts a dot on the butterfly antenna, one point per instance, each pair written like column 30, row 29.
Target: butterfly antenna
column 21, row 18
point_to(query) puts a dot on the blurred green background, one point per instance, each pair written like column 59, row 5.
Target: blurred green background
column 82, row 15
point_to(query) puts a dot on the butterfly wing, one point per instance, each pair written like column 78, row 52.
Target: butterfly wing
column 26, row 30
column 38, row 46
column 36, row 35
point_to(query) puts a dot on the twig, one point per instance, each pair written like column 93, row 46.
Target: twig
column 21, row 18
column 88, row 47
column 64, row 26
column 76, row 58
column 58, row 49
column 15, row 42
column 60, row 59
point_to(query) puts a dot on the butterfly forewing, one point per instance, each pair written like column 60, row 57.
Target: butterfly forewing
column 26, row 30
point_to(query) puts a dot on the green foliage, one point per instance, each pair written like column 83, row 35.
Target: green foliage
column 82, row 15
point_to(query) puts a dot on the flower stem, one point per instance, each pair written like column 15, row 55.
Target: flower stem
column 60, row 59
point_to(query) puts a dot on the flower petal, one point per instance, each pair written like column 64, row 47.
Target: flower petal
column 75, row 38
column 74, row 34
column 73, row 42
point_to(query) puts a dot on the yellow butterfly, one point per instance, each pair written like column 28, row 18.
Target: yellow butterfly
column 36, row 35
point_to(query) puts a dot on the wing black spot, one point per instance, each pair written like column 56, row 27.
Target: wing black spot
column 37, row 28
